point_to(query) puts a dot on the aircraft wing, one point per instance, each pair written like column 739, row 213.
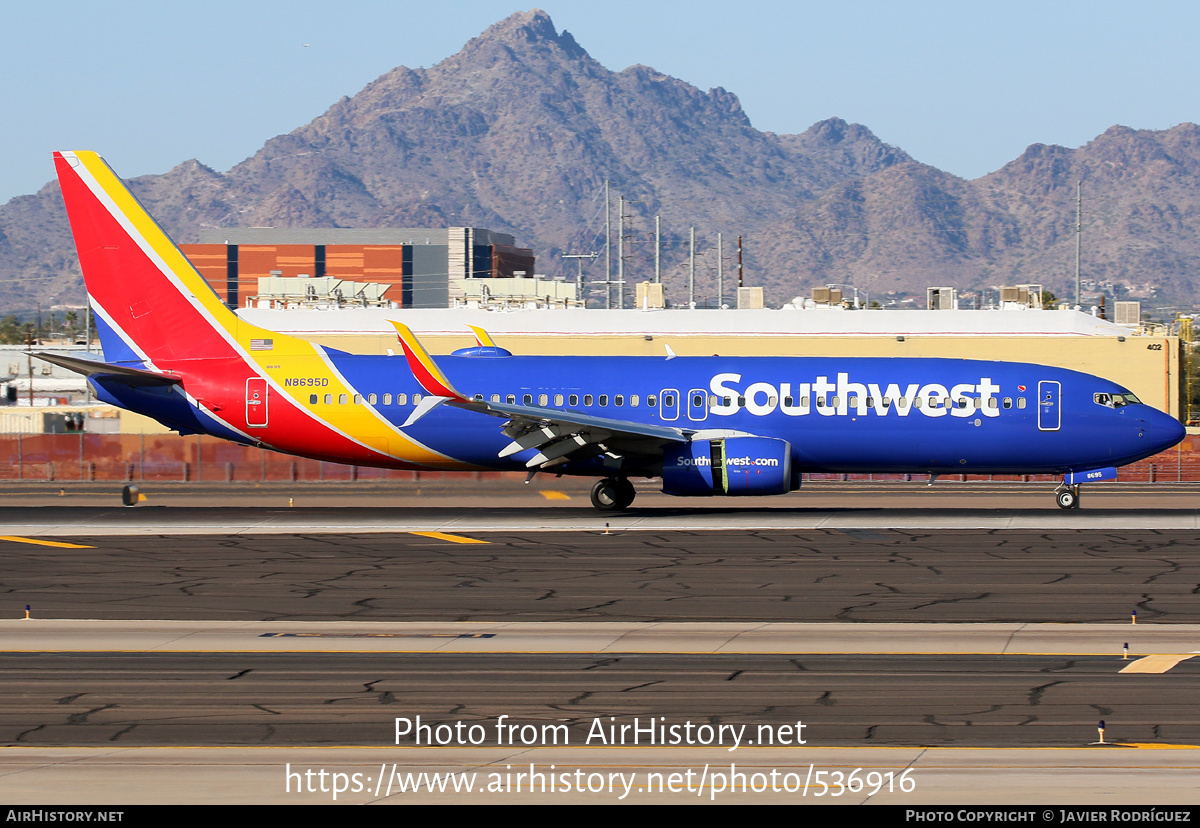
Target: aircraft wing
column 121, row 373
column 562, row 436
column 559, row 436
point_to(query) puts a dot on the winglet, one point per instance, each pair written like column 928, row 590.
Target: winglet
column 482, row 337
column 423, row 367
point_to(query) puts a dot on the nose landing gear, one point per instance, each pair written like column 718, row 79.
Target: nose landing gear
column 613, row 494
column 1067, row 496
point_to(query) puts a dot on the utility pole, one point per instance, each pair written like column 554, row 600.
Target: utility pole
column 720, row 274
column 620, row 252
column 657, row 250
column 579, row 257
column 607, row 249
column 29, row 357
column 740, row 262
column 692, row 273
column 1079, row 238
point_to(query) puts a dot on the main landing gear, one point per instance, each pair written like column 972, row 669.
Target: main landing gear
column 613, row 494
column 1067, row 496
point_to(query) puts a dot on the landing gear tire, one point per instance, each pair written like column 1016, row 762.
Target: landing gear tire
column 612, row 494
column 1068, row 499
column 626, row 493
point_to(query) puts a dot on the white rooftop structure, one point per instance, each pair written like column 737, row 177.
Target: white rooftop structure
column 682, row 322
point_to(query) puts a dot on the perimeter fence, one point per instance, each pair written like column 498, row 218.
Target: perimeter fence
column 169, row 457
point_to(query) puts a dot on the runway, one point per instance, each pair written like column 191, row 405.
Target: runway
column 225, row 643
column 192, row 520
column 745, row 574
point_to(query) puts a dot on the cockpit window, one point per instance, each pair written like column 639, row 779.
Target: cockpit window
column 1115, row 400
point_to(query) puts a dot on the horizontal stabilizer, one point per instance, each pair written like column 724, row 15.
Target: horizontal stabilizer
column 121, row 373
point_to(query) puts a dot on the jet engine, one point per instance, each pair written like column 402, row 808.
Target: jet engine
column 740, row 466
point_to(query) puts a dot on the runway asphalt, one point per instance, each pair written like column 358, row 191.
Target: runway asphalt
column 745, row 574
column 923, row 629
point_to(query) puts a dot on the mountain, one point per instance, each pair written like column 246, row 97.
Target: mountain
column 519, row 131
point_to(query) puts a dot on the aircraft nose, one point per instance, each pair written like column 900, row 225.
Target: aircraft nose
column 1162, row 430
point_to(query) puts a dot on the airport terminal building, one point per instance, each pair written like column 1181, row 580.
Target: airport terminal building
column 394, row 268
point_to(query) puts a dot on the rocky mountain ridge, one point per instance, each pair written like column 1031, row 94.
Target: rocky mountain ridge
column 519, row 131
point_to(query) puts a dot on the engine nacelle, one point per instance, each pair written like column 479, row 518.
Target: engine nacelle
column 732, row 466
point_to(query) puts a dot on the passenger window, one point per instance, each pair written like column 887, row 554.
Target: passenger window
column 587, row 399
column 787, row 401
column 916, row 402
column 1008, row 402
column 495, row 398
column 511, row 399
column 902, row 402
column 836, row 401
column 416, row 399
column 633, row 400
column 741, row 402
column 479, row 398
column 651, row 400
column 372, row 398
column 312, row 399
column 527, row 399
column 543, row 399
column 619, row 399
column 387, row 399
column 329, row 399
column 558, row 399
column 402, row 399
column 343, row 399
column 820, row 402
column 573, row 400
column 1020, row 402
column 604, row 399
column 697, row 400
column 358, row 399
column 669, row 400
column 993, row 403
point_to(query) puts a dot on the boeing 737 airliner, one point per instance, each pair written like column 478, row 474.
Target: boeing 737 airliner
column 703, row 425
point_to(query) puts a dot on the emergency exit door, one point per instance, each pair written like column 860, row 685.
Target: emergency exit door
column 1049, row 409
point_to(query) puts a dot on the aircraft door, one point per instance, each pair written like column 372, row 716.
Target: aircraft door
column 1049, row 409
column 697, row 404
column 668, row 404
column 256, row 402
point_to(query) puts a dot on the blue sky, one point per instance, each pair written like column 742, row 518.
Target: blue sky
column 964, row 86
